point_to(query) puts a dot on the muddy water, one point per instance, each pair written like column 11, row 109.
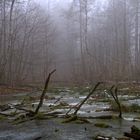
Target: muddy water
column 54, row 129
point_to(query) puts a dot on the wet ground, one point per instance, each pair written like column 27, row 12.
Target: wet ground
column 54, row 129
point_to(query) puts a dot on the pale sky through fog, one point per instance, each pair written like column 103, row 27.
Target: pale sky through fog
column 62, row 2
column 44, row 2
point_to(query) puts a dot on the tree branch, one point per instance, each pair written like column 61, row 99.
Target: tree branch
column 44, row 91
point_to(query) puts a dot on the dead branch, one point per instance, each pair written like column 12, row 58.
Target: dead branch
column 58, row 100
column 23, row 109
column 114, row 93
column 80, row 105
column 44, row 91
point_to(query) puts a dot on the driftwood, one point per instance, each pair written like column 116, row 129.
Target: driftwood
column 88, row 96
column 44, row 92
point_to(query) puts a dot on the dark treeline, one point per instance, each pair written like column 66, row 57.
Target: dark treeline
column 85, row 40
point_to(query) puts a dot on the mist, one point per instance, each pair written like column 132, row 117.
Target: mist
column 85, row 41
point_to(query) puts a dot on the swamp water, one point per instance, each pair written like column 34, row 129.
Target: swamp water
column 54, row 129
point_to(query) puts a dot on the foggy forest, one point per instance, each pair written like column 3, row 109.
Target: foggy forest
column 72, row 65
column 85, row 41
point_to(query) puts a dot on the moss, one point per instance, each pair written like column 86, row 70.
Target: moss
column 75, row 119
column 2, row 118
column 104, row 100
column 135, row 130
column 20, row 119
column 102, row 125
column 14, row 113
column 23, row 118
column 82, row 121
column 40, row 116
column 70, row 119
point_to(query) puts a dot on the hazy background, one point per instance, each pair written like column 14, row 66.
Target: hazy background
column 84, row 40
